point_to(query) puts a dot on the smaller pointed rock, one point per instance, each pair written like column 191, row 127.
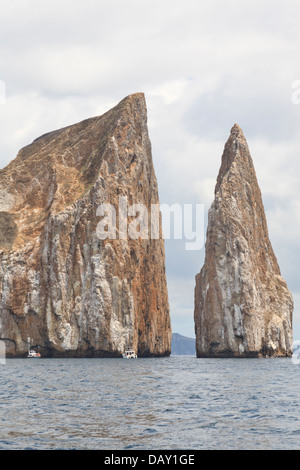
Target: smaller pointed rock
column 243, row 307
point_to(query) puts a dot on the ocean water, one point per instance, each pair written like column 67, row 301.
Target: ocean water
column 154, row 404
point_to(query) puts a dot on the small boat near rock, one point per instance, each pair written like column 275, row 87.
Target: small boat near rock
column 32, row 353
column 129, row 354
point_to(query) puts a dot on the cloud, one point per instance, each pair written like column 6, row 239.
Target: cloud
column 262, row 108
column 202, row 65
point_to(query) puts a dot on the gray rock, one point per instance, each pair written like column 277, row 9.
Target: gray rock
column 243, row 307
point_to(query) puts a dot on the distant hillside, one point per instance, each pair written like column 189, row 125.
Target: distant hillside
column 182, row 346
column 296, row 345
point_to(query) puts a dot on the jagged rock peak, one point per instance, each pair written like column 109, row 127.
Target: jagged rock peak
column 242, row 304
column 235, row 150
column 71, row 292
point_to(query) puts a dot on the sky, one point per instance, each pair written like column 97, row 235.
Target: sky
column 203, row 66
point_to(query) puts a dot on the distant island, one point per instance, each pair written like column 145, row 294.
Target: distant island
column 182, row 345
column 296, row 345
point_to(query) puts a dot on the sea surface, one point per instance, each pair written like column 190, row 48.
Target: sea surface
column 179, row 402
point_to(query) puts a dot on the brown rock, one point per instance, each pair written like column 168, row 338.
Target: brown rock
column 243, row 307
column 70, row 292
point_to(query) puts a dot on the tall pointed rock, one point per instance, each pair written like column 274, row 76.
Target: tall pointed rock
column 243, row 307
column 67, row 289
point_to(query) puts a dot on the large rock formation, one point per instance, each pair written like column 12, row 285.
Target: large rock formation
column 243, row 307
column 71, row 292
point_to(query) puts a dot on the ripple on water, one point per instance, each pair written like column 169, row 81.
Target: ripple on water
column 176, row 402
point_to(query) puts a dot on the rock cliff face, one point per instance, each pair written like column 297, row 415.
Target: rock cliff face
column 243, row 307
column 71, row 292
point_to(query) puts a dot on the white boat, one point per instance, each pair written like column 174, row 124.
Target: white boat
column 129, row 354
column 32, row 353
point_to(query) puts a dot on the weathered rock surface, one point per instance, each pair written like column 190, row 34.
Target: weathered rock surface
column 243, row 307
column 70, row 292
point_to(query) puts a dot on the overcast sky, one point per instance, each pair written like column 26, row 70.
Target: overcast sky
column 203, row 66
